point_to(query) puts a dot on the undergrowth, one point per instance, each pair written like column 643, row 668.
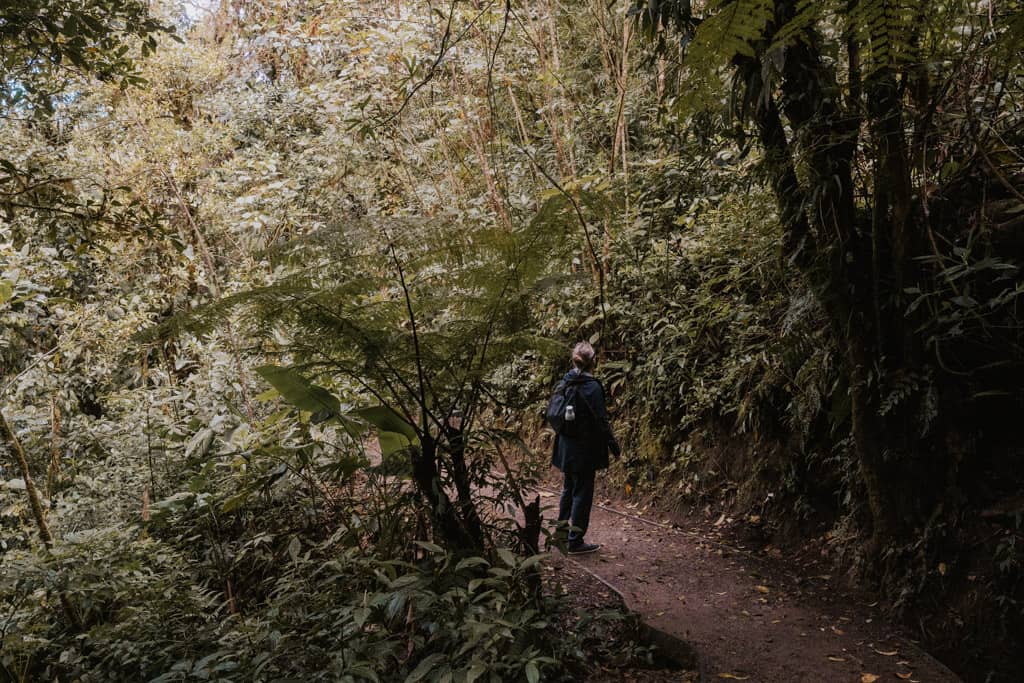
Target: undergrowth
column 157, row 605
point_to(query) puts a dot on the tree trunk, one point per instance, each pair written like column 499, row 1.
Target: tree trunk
column 447, row 524
column 822, row 241
column 460, row 477
column 869, row 446
column 53, row 469
column 34, row 500
column 14, row 445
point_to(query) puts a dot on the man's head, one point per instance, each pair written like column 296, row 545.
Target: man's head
column 583, row 356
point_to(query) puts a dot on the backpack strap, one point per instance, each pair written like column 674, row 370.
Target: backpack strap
column 580, row 381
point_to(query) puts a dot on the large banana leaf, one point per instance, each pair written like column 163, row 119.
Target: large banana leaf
column 387, row 420
column 301, row 393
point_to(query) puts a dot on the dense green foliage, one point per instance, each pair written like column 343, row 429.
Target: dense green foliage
column 882, row 367
column 279, row 302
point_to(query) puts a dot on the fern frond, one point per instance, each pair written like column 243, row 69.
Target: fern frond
column 733, row 30
column 807, row 14
column 886, row 31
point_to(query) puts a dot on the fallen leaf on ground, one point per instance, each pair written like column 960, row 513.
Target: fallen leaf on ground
column 733, row 676
column 904, row 676
column 836, row 659
column 890, row 653
column 762, row 589
column 868, row 678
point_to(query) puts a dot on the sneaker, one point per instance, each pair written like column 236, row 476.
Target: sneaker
column 583, row 548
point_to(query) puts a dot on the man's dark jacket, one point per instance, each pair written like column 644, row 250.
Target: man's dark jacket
column 589, row 451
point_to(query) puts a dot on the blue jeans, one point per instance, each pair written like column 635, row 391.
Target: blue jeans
column 576, row 501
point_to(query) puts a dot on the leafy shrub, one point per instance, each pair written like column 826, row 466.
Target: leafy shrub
column 136, row 596
column 332, row 612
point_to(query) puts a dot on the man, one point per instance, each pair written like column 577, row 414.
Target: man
column 580, row 456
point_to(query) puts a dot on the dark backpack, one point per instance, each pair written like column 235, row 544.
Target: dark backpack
column 568, row 412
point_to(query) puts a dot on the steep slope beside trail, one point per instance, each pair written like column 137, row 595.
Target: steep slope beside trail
column 745, row 617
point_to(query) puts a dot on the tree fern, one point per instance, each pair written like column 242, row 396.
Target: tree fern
column 730, row 29
column 887, row 30
column 372, row 303
column 806, row 15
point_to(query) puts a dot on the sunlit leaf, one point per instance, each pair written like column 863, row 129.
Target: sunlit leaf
column 299, row 391
column 386, row 419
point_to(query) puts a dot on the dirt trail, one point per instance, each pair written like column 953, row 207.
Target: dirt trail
column 747, row 619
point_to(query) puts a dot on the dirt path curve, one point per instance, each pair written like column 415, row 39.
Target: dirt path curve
column 746, row 617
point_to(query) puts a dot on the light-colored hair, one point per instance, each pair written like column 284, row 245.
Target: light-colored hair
column 583, row 356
